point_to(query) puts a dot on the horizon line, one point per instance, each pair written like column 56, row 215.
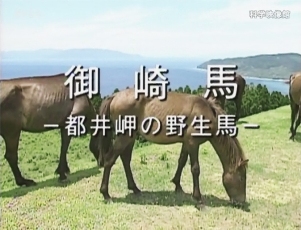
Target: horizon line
column 139, row 55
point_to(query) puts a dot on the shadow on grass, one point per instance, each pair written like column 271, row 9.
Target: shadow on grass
column 170, row 198
column 241, row 122
column 72, row 178
column 298, row 137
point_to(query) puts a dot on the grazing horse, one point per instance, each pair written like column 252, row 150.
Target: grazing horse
column 241, row 84
column 295, row 102
column 26, row 104
column 191, row 106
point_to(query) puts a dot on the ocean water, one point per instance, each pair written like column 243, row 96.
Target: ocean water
column 121, row 74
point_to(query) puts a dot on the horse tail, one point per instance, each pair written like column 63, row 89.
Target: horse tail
column 289, row 80
column 105, row 139
column 91, row 114
column 299, row 110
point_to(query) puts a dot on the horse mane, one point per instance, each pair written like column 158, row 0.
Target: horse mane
column 216, row 105
column 234, row 150
column 231, row 145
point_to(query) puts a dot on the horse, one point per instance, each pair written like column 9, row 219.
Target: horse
column 26, row 104
column 295, row 102
column 228, row 148
column 241, row 84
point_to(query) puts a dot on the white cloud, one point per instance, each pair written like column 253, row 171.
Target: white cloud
column 222, row 32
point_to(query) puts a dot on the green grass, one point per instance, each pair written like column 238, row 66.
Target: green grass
column 273, row 185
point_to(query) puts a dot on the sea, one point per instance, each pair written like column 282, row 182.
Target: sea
column 120, row 74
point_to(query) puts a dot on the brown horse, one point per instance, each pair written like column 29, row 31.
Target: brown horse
column 191, row 106
column 241, row 84
column 26, row 104
column 295, row 102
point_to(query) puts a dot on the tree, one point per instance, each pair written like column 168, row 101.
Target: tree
column 187, row 89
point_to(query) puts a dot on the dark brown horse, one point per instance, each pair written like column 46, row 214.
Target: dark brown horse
column 295, row 102
column 227, row 148
column 26, row 104
column 241, row 84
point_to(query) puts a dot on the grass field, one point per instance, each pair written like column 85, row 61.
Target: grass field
column 273, row 185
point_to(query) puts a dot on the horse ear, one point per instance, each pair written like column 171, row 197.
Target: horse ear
column 244, row 162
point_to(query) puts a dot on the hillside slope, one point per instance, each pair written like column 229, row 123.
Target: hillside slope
column 273, row 186
column 264, row 66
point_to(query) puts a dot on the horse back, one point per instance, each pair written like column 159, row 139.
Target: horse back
column 35, row 101
column 176, row 104
column 295, row 87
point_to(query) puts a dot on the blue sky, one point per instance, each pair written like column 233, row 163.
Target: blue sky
column 152, row 28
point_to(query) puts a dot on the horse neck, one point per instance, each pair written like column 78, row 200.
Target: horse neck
column 228, row 151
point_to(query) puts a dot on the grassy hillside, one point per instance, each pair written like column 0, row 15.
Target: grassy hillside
column 273, row 186
column 264, row 66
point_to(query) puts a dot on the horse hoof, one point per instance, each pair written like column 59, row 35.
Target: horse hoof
column 65, row 171
column 179, row 191
column 201, row 207
column 29, row 183
column 64, row 181
column 137, row 191
column 108, row 201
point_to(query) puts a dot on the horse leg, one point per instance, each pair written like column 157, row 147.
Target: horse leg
column 63, row 168
column 110, row 158
column 195, row 171
column 11, row 155
column 294, row 112
column 181, row 164
column 297, row 122
column 93, row 145
column 126, row 158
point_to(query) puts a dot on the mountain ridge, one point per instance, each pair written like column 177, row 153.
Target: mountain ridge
column 274, row 66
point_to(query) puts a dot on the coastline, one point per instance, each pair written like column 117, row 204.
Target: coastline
column 255, row 78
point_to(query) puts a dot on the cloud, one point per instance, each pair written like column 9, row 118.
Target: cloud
column 217, row 33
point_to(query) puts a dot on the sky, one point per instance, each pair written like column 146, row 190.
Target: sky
column 152, row 28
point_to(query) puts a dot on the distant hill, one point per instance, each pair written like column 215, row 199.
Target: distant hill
column 67, row 55
column 278, row 66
